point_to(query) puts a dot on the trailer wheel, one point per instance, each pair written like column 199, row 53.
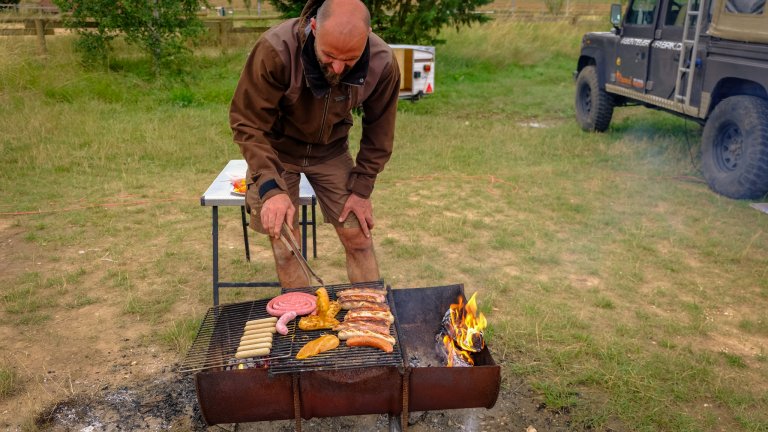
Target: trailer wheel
column 734, row 148
column 594, row 106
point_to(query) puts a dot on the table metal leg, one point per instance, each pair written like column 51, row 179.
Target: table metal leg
column 304, row 231
column 215, row 239
column 245, row 235
column 314, row 229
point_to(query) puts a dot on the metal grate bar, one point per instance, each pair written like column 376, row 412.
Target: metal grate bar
column 219, row 337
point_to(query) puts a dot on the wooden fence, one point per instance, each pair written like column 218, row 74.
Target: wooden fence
column 222, row 28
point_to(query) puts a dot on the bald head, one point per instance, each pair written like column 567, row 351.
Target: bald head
column 341, row 30
column 352, row 14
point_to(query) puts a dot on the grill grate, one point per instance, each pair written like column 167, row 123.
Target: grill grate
column 221, row 330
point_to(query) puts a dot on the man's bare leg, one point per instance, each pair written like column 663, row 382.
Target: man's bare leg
column 361, row 259
column 289, row 270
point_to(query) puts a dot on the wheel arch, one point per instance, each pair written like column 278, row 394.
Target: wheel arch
column 728, row 87
column 594, row 58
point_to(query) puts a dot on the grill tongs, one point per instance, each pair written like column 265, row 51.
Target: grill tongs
column 290, row 241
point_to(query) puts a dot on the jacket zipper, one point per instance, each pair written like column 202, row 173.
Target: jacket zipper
column 322, row 128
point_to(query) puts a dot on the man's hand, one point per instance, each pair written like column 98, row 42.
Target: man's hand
column 276, row 210
column 363, row 209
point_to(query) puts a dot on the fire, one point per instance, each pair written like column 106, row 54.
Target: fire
column 454, row 353
column 467, row 325
column 462, row 332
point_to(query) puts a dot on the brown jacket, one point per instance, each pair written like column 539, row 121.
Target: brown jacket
column 283, row 110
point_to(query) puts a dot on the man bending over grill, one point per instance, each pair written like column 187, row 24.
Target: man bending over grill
column 291, row 113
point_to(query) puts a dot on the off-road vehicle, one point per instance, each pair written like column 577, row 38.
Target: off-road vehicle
column 706, row 60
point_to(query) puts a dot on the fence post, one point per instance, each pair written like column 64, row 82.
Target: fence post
column 40, row 31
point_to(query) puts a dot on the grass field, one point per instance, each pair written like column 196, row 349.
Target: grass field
column 624, row 291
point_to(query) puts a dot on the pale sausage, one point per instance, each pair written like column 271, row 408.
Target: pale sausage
column 252, row 353
column 282, row 323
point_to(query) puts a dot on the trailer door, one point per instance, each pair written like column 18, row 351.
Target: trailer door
column 634, row 46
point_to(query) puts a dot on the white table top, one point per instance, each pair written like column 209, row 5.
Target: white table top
column 219, row 193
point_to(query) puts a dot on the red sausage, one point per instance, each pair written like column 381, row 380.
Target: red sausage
column 370, row 342
column 282, row 323
column 301, row 303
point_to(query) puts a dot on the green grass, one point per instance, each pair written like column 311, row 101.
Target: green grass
column 614, row 281
column 9, row 382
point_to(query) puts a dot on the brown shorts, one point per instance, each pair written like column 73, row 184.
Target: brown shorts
column 329, row 180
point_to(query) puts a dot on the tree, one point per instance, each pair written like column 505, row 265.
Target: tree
column 407, row 21
column 159, row 27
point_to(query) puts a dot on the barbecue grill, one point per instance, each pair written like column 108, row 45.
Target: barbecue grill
column 341, row 382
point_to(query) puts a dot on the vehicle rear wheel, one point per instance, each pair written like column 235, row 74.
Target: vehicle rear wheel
column 734, row 148
column 594, row 106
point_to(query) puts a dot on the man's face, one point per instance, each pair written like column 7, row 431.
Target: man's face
column 330, row 67
column 336, row 53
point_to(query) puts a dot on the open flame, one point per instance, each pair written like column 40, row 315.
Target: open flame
column 462, row 332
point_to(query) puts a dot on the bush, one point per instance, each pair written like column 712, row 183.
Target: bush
column 161, row 28
column 406, row 21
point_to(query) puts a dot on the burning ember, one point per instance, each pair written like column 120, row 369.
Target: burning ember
column 461, row 333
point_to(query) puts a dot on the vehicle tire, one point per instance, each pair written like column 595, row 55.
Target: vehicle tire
column 594, row 106
column 734, row 148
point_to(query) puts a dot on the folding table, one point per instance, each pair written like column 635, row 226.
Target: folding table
column 219, row 193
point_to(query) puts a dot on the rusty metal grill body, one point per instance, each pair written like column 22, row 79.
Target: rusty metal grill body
column 345, row 381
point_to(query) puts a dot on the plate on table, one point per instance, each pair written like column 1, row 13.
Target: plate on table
column 239, row 187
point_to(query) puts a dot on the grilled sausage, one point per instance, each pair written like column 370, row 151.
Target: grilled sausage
column 282, row 323
column 346, row 334
column 262, row 325
column 368, row 341
column 299, row 302
column 259, row 321
column 252, row 353
column 257, row 337
column 261, row 331
column 248, row 346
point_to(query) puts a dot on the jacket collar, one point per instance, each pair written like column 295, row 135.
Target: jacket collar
column 314, row 74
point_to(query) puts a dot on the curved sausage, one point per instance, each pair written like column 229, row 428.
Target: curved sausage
column 282, row 323
column 370, row 342
column 299, row 302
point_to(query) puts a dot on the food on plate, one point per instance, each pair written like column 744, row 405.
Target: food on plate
column 317, row 346
column 326, row 313
column 369, row 341
column 346, row 334
column 239, row 185
column 299, row 302
column 282, row 323
column 370, row 314
column 252, row 353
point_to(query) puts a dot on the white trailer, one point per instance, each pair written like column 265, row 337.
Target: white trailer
column 417, row 70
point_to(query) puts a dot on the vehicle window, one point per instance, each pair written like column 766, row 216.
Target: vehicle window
column 641, row 12
column 676, row 10
column 750, row 7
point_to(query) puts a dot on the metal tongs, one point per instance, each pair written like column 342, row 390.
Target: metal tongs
column 290, row 241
